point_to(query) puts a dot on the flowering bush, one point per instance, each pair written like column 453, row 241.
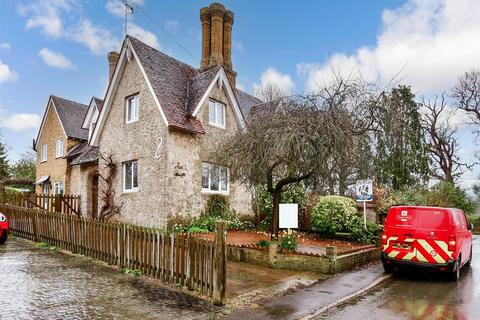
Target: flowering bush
column 334, row 214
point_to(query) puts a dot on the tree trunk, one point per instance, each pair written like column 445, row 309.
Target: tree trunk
column 277, row 195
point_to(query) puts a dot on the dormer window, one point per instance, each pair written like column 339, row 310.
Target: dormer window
column 216, row 114
column 132, row 108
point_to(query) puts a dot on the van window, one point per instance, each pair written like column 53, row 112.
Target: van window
column 433, row 219
column 460, row 222
column 402, row 217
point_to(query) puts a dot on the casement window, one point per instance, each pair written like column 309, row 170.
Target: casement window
column 130, row 176
column 58, row 148
column 43, row 156
column 132, row 108
column 216, row 114
column 214, row 178
column 58, row 188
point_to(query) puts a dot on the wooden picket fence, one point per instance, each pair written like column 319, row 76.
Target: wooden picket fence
column 68, row 204
column 182, row 259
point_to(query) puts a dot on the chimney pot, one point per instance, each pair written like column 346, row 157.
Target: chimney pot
column 217, row 12
column 206, row 36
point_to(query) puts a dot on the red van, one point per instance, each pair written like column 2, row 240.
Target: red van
column 429, row 237
column 3, row 228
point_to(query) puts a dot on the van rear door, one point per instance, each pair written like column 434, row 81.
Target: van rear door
column 431, row 236
column 401, row 225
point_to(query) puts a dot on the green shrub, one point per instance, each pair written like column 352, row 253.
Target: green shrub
column 294, row 193
column 368, row 236
column 133, row 272
column 263, row 243
column 334, row 214
column 195, row 229
column 288, row 241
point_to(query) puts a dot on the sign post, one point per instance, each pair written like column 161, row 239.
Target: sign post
column 364, row 193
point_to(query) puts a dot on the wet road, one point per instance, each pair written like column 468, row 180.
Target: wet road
column 414, row 295
column 38, row 284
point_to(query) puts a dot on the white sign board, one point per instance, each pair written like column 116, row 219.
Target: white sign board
column 288, row 216
column 364, row 190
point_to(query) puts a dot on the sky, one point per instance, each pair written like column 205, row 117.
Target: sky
column 60, row 47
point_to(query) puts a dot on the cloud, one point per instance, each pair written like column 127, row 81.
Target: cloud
column 6, row 73
column 19, row 122
column 279, row 80
column 424, row 43
column 98, row 40
column 64, row 19
column 5, row 46
column 55, row 59
column 143, row 35
column 172, row 25
column 46, row 15
column 117, row 8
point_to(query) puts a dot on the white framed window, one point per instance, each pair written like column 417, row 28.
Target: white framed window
column 132, row 108
column 216, row 114
column 130, row 176
column 43, row 156
column 214, row 178
column 58, row 148
column 58, row 188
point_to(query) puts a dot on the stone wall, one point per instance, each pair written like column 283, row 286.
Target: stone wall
column 56, row 168
column 136, row 141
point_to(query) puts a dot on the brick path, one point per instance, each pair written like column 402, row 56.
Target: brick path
column 38, row 284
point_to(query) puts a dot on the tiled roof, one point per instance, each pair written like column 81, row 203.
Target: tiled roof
column 89, row 154
column 71, row 116
column 180, row 87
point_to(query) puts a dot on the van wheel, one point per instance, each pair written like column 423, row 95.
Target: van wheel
column 469, row 262
column 3, row 237
column 388, row 268
column 455, row 274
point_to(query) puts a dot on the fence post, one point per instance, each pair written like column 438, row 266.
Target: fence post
column 220, row 263
column 34, row 225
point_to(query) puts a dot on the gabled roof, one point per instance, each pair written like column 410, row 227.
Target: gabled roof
column 178, row 89
column 70, row 114
column 95, row 104
column 247, row 102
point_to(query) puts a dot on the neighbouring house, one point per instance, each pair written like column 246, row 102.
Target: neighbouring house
column 159, row 123
column 66, row 164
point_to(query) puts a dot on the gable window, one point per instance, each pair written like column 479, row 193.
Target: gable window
column 214, row 178
column 216, row 114
column 58, row 188
column 44, row 153
column 132, row 108
column 130, row 176
column 58, row 148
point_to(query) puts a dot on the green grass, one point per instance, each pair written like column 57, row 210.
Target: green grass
column 46, row 246
column 133, row 272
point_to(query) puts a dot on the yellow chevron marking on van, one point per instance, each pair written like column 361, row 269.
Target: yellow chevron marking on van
column 409, row 240
column 393, row 254
column 444, row 246
column 385, row 247
column 420, row 257
column 409, row 256
column 429, row 249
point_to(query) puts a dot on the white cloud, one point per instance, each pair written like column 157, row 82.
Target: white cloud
column 116, row 8
column 97, row 39
column 6, row 73
column 143, row 35
column 172, row 25
column 19, row 122
column 281, row 81
column 46, row 15
column 424, row 43
column 5, row 46
column 55, row 59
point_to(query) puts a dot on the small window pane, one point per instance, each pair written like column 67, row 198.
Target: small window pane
column 214, row 178
column 135, row 174
column 220, row 114
column 223, row 178
column 128, row 176
column 211, row 112
column 205, row 173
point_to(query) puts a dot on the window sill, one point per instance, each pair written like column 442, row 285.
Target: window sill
column 225, row 193
column 43, row 161
column 217, row 126
column 131, row 122
column 130, row 191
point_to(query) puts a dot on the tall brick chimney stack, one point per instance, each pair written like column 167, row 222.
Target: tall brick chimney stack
column 112, row 63
column 217, row 23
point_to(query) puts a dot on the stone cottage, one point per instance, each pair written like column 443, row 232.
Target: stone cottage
column 159, row 123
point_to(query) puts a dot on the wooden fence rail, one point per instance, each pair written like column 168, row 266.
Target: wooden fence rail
column 182, row 259
column 68, row 204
